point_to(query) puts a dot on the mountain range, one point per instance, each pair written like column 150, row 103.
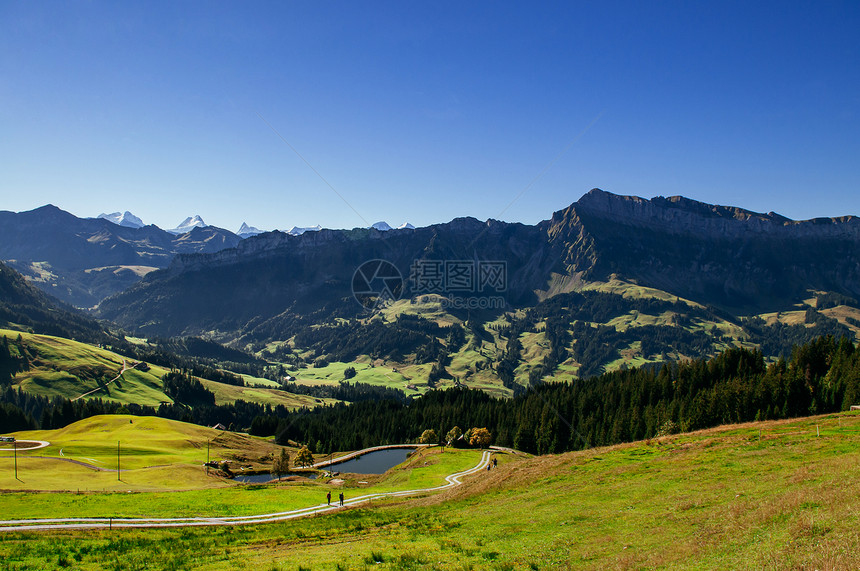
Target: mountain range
column 83, row 260
column 245, row 231
column 384, row 226
column 710, row 276
column 713, row 255
column 608, row 281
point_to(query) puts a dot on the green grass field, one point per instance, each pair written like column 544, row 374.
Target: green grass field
column 226, row 394
column 772, row 495
column 159, row 455
column 155, row 454
column 365, row 372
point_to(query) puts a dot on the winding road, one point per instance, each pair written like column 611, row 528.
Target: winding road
column 104, row 523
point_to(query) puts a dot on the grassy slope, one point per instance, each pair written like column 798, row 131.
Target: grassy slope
column 155, row 453
column 382, row 375
column 840, row 313
column 225, row 394
column 159, row 456
column 69, row 369
column 721, row 498
column 535, row 346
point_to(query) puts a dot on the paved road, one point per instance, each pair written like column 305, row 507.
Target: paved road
column 103, row 523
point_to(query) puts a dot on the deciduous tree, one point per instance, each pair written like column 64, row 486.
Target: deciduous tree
column 428, row 437
column 453, row 435
column 304, row 457
column 480, row 437
column 281, row 465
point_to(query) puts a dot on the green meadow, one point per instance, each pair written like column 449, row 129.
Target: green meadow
column 162, row 472
column 770, row 495
column 154, row 453
column 365, row 372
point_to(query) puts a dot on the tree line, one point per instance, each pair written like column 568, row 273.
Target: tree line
column 736, row 386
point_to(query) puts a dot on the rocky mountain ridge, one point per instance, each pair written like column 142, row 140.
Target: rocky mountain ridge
column 680, row 215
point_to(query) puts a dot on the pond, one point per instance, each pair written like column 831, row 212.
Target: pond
column 263, row 478
column 376, row 462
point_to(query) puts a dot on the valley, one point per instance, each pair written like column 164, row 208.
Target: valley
column 293, row 286
column 654, row 371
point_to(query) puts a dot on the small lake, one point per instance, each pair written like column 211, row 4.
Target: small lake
column 376, row 462
column 263, row 478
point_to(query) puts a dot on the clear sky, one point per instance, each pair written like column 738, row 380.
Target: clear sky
column 425, row 111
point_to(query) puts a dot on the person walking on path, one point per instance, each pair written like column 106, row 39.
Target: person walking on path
column 328, row 498
column 341, row 499
column 495, row 462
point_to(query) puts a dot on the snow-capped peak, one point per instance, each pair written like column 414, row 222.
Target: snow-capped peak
column 246, row 231
column 189, row 224
column 381, row 226
column 296, row 231
column 406, row 226
column 126, row 219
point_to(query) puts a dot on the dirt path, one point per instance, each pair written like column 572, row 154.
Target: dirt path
column 31, row 445
column 79, row 463
column 102, row 523
column 125, row 368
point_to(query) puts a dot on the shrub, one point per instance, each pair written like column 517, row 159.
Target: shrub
column 668, row 427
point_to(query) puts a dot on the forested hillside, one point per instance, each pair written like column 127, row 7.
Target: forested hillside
column 736, row 386
column 23, row 305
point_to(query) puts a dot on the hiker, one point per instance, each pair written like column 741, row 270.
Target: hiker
column 489, row 465
column 328, row 498
column 495, row 462
column 341, row 499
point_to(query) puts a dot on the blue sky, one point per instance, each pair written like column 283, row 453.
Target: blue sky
column 423, row 112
